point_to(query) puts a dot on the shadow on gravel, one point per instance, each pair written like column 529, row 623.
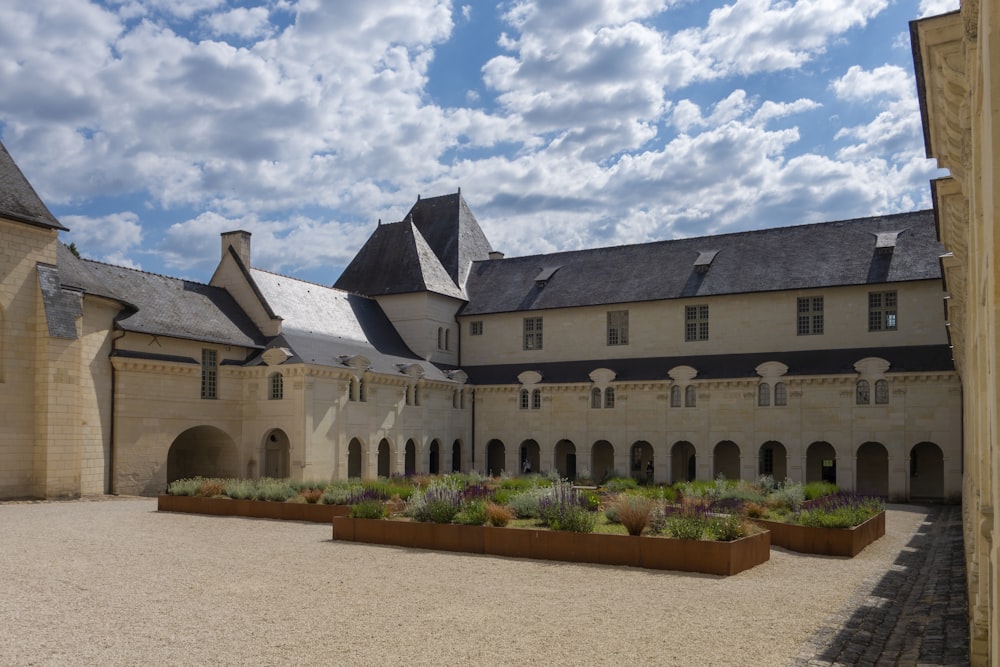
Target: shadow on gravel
column 917, row 613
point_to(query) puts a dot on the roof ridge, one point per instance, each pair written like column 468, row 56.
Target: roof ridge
column 301, row 280
column 148, row 273
column 707, row 237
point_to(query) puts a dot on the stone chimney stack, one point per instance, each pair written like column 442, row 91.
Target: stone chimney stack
column 496, row 254
column 238, row 241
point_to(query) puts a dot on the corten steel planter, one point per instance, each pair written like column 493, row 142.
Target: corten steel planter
column 661, row 553
column 825, row 541
column 254, row 509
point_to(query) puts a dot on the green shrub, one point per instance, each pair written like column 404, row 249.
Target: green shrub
column 839, row 511
column 439, row 502
column 619, row 484
column 574, row 519
column 685, row 527
column 524, row 505
column 340, row 493
column 473, row 513
column 278, row 490
column 657, row 518
column 814, row 490
column 368, row 509
column 240, row 489
column 590, row 499
column 184, row 487
column 728, row 528
column 790, row 496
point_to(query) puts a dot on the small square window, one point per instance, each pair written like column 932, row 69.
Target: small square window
column 476, row 328
column 809, row 312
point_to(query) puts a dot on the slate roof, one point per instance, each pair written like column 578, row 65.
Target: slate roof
column 431, row 249
column 62, row 306
column 783, row 258
column 321, row 324
column 18, row 200
column 910, row 359
column 163, row 306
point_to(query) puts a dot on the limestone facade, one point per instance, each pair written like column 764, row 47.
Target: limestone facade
column 957, row 58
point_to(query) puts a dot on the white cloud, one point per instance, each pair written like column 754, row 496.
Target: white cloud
column 887, row 81
column 935, row 7
column 108, row 238
column 242, row 22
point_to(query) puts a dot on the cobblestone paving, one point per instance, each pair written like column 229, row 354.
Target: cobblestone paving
column 914, row 614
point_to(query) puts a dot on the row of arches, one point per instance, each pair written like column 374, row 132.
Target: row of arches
column 871, row 473
column 439, row 459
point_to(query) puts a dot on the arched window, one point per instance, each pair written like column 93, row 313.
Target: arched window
column 863, row 392
column 690, row 396
column 276, row 387
column 362, row 390
column 536, row 399
column 352, row 390
column 454, row 399
column 416, row 395
column 763, row 394
column 595, row 398
column 609, row 397
column 525, row 399
column 675, row 396
column 440, row 338
column 447, row 339
column 780, row 394
column 882, row 392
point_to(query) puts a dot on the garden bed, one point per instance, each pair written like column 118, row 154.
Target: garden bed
column 825, row 541
column 254, row 509
column 659, row 553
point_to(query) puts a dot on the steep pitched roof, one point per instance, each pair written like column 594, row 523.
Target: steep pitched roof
column 453, row 233
column 783, row 258
column 163, row 306
column 397, row 259
column 18, row 200
column 322, row 325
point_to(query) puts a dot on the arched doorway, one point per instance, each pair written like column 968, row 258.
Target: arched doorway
column 926, row 471
column 821, row 463
column 434, row 458
column 384, row 458
column 602, row 461
column 726, row 460
column 276, row 454
column 456, row 456
column 641, row 460
column 772, row 459
column 202, row 451
column 410, row 458
column 530, row 453
column 354, row 459
column 683, row 462
column 873, row 470
column 496, row 455
column 565, row 459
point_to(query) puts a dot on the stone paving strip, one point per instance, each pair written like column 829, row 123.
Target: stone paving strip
column 114, row 582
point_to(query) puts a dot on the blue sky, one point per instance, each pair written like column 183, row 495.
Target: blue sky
column 150, row 126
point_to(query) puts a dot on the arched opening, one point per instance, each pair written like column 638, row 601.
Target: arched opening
column 773, row 460
column 821, row 463
column 204, row 451
column 926, row 471
column 384, row 458
column 496, row 455
column 456, row 456
column 354, row 460
column 683, row 462
column 641, row 460
column 276, row 454
column 726, row 460
column 410, row 458
column 873, row 470
column 434, row 458
column 529, row 458
column 602, row 461
column 565, row 459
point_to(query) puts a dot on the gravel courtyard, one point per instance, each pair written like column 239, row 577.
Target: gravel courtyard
column 113, row 582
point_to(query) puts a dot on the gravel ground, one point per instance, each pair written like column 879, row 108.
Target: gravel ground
column 113, row 582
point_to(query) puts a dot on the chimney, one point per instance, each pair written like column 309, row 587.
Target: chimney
column 496, row 254
column 239, row 241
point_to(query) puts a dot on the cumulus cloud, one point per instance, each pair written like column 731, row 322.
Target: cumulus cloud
column 935, row 7
column 108, row 238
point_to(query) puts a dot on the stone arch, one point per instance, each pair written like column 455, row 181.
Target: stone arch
column 821, row 462
column 277, row 454
column 456, row 456
column 496, row 457
column 410, row 458
column 602, row 461
column 531, row 453
column 205, row 451
column 926, row 471
column 565, row 459
column 384, row 458
column 355, row 458
column 872, row 470
column 641, row 460
column 726, row 460
column 683, row 462
column 772, row 459
column 434, row 457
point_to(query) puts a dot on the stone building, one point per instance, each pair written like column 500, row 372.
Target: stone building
column 957, row 58
column 809, row 352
